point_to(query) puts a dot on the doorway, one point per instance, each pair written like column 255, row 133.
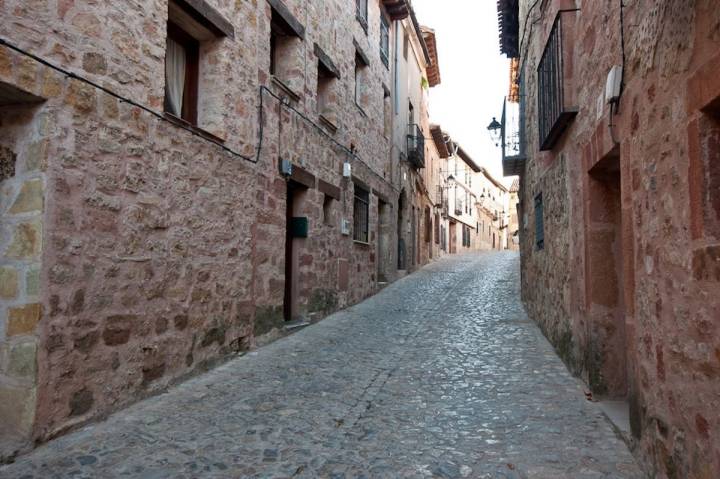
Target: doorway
column 383, row 231
column 401, row 263
column 296, row 229
column 453, row 237
column 607, row 360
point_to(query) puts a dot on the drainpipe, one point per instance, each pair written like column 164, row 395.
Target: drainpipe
column 397, row 67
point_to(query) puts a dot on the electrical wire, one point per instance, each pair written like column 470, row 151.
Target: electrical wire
column 622, row 48
column 320, row 129
column 123, row 99
column 263, row 90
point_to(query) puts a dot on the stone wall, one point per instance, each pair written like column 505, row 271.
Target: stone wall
column 136, row 252
column 24, row 129
column 626, row 286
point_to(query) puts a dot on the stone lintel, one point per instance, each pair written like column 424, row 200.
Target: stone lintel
column 302, row 176
column 329, row 189
column 210, row 18
column 361, row 53
column 326, row 61
column 288, row 18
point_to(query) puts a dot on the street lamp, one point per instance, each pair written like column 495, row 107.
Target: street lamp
column 495, row 130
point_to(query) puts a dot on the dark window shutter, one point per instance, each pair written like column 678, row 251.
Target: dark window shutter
column 539, row 222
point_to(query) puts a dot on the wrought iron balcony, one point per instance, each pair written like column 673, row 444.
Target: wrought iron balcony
column 416, row 146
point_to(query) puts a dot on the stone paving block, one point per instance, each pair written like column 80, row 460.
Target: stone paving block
column 439, row 375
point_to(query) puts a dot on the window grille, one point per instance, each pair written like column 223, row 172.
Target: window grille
column 553, row 115
column 416, row 146
column 384, row 40
column 361, row 213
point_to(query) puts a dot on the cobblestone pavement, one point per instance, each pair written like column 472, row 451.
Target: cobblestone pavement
column 440, row 375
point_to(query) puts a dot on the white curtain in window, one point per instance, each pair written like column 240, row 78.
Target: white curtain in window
column 175, row 61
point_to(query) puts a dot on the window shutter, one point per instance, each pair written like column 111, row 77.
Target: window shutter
column 539, row 225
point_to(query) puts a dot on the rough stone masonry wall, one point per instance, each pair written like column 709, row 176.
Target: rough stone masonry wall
column 23, row 156
column 667, row 143
column 160, row 251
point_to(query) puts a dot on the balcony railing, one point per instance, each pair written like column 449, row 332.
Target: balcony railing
column 416, row 147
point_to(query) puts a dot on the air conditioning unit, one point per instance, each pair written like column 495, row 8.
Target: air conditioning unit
column 345, row 227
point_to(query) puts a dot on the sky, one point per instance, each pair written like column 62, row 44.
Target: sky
column 474, row 76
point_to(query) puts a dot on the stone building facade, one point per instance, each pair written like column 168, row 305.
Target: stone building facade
column 619, row 208
column 179, row 179
column 415, row 72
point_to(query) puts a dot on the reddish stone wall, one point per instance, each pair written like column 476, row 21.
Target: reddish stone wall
column 163, row 252
column 657, row 267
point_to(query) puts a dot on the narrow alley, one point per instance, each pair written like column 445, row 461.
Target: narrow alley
column 440, row 375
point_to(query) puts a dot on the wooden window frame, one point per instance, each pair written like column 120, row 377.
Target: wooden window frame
column 191, row 45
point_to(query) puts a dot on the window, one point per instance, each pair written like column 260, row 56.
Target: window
column 328, row 210
column 385, row 40
column 466, row 236
column 437, row 228
column 553, row 114
column 458, row 204
column 387, row 113
column 327, row 97
column 361, row 213
column 406, row 45
column 324, row 91
column 182, row 57
column 192, row 27
column 539, row 223
column 286, row 41
column 361, row 13
column 361, row 79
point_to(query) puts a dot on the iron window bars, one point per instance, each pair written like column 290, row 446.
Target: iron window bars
column 361, row 210
column 553, row 115
column 416, row 146
column 385, row 41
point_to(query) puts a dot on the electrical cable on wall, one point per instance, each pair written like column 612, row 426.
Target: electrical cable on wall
column 123, row 99
column 160, row 116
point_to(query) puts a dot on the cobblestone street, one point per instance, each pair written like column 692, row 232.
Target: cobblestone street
column 440, row 375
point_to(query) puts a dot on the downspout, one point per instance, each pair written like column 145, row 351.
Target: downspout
column 397, row 67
